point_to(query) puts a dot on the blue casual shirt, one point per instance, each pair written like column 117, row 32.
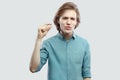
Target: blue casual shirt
column 67, row 59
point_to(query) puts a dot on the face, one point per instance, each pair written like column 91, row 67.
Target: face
column 68, row 21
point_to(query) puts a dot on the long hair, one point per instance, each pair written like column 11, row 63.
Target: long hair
column 62, row 9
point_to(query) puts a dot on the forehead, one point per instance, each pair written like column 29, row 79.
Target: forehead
column 69, row 13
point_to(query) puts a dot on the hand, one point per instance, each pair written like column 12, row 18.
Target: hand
column 43, row 30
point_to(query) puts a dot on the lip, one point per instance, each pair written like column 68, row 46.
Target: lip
column 67, row 27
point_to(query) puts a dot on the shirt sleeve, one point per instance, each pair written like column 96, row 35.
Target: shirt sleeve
column 43, row 56
column 86, row 72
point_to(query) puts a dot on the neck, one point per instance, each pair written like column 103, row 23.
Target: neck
column 67, row 36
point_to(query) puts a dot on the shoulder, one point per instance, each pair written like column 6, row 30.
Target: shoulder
column 82, row 40
column 51, row 39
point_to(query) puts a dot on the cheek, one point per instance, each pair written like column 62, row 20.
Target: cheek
column 62, row 23
column 75, row 23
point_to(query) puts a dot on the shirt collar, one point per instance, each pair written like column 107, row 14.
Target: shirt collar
column 73, row 36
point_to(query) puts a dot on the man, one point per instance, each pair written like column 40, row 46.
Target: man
column 68, row 54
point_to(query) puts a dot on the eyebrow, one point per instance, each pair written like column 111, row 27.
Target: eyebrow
column 65, row 17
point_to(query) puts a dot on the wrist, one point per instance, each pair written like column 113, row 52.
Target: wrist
column 38, row 39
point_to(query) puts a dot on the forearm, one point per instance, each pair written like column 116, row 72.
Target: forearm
column 35, row 59
column 87, row 79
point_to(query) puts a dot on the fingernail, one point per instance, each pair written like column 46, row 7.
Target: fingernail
column 48, row 24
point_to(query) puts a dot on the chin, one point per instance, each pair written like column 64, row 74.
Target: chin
column 68, row 32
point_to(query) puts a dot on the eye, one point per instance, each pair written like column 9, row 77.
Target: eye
column 72, row 18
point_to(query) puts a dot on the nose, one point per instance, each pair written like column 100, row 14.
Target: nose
column 68, row 22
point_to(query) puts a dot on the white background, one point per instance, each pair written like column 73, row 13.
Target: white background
column 19, row 21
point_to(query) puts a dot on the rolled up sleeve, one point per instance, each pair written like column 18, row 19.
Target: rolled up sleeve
column 86, row 69
column 43, row 56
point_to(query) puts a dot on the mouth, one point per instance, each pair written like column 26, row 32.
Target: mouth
column 67, row 27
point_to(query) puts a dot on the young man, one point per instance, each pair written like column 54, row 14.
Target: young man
column 68, row 54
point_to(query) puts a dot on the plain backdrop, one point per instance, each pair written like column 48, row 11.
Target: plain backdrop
column 19, row 21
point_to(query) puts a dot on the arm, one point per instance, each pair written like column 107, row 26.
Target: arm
column 86, row 67
column 87, row 79
column 35, row 59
